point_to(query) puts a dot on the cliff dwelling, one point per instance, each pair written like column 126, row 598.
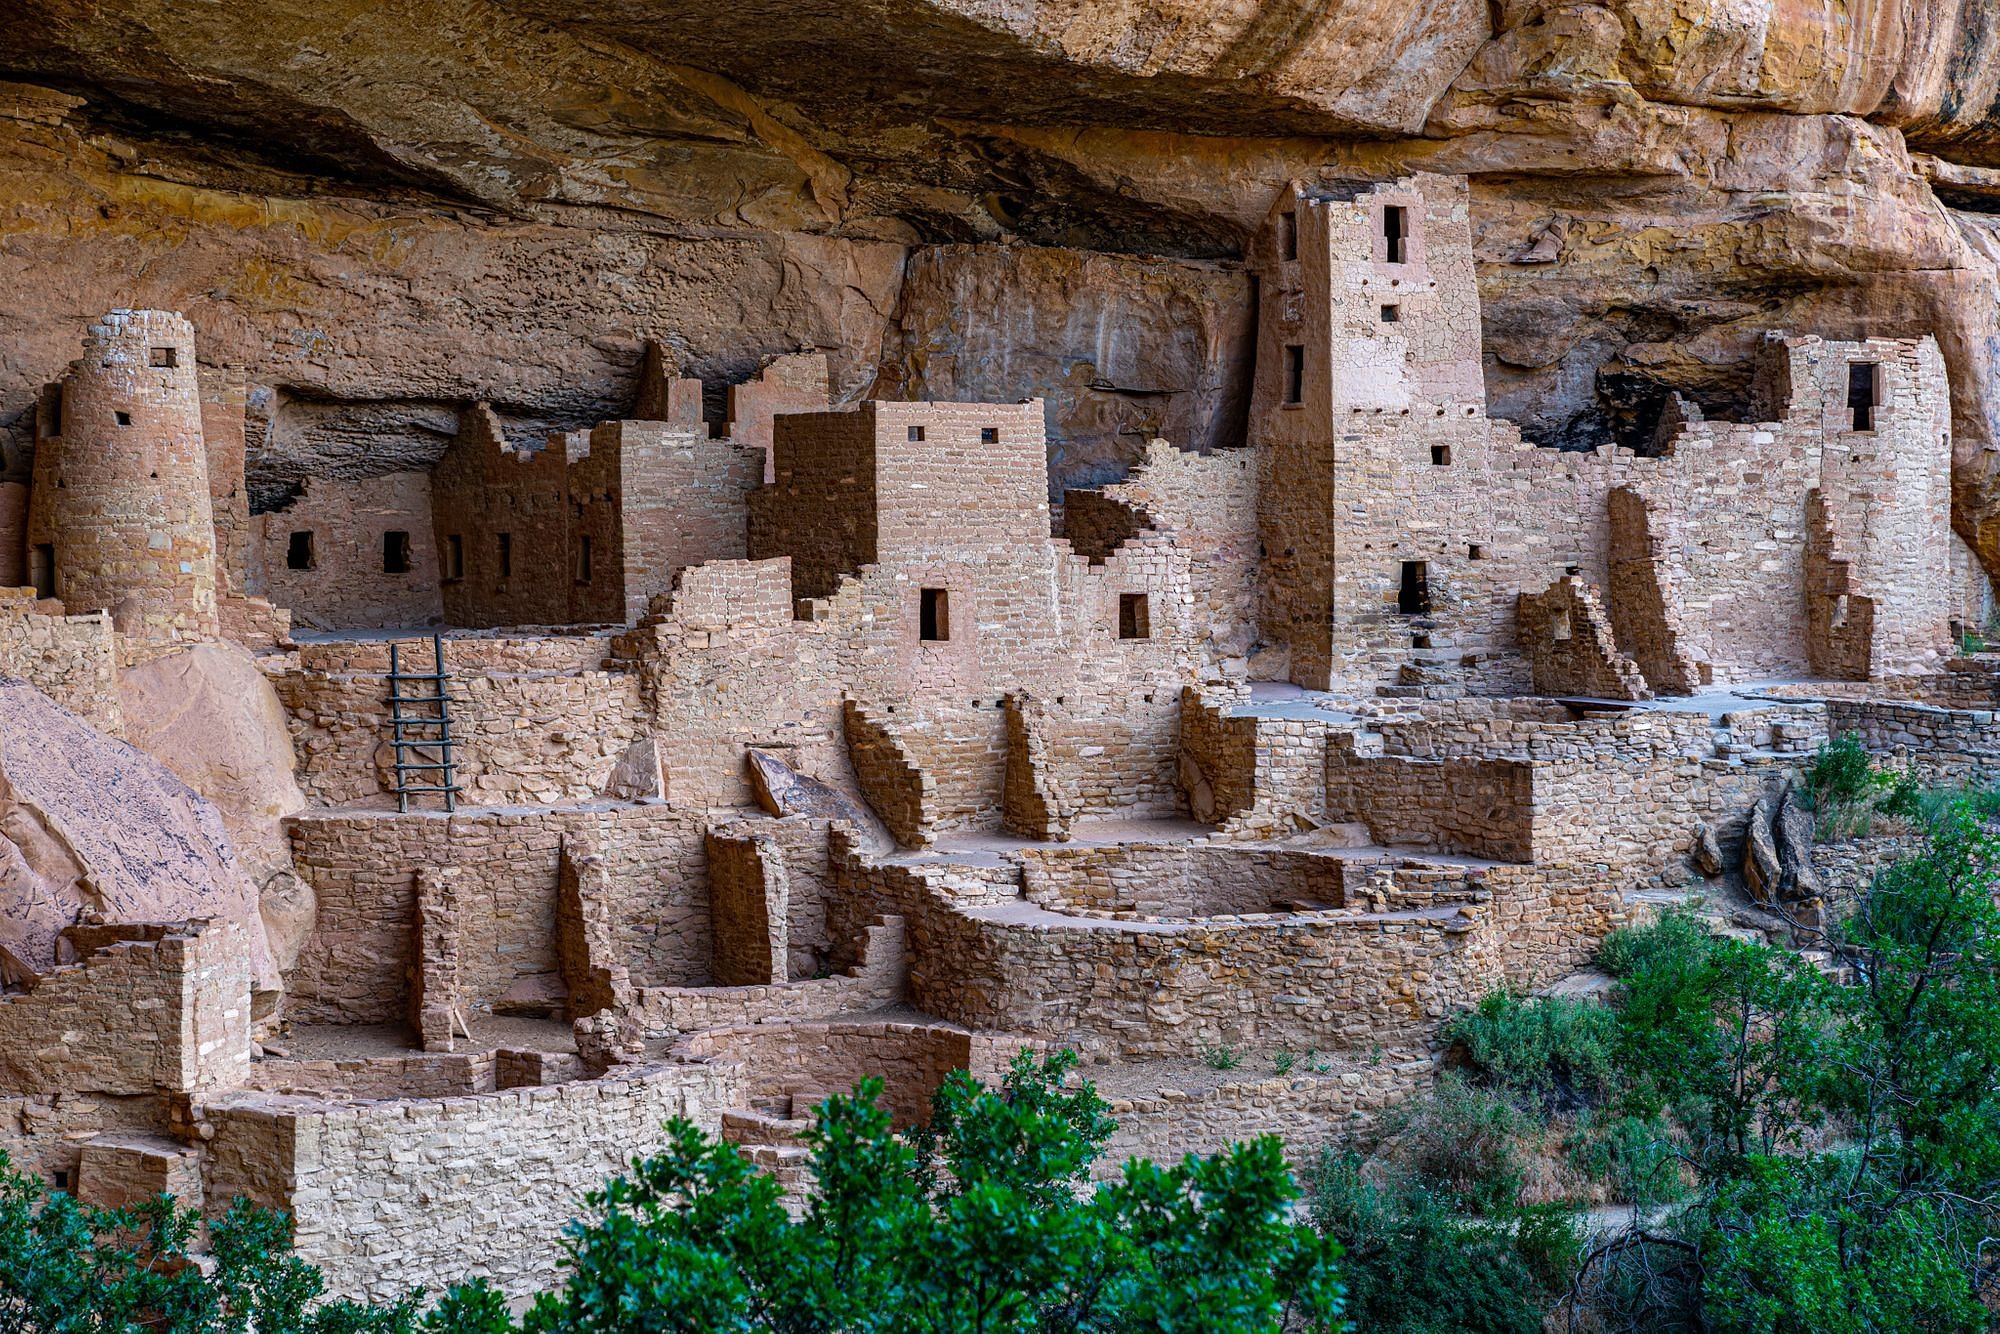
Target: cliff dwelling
column 499, row 791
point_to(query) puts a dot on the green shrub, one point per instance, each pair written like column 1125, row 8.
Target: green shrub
column 1637, row 1159
column 1221, row 1057
column 1841, row 774
column 1678, row 936
column 1559, row 1048
column 1414, row 1267
column 1928, row 804
column 1462, row 1144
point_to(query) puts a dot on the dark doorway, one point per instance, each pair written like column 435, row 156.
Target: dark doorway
column 1413, row 596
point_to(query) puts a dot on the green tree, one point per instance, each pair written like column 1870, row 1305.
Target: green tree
column 982, row 1222
column 70, row 1267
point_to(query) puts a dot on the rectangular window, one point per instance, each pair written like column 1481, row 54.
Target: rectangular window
column 1134, row 617
column 989, row 435
column 916, row 434
column 1474, row 551
column 1440, row 456
column 1288, row 235
column 454, row 557
column 1862, row 394
column 1295, row 374
column 122, row 418
column 395, row 553
column 506, row 555
column 1391, row 314
column 934, row 615
column 1413, row 595
column 167, row 357
column 583, row 560
column 42, row 569
column 299, row 551
column 1395, row 233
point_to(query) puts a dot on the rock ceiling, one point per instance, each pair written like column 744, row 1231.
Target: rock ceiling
column 387, row 210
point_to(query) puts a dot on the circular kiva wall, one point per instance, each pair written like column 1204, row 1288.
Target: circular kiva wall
column 799, row 1064
column 1185, row 881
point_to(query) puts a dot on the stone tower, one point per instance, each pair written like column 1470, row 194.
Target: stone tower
column 120, row 518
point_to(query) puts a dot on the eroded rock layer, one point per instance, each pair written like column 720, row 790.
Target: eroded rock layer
column 387, row 212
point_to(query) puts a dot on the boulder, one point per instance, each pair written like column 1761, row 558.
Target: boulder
column 212, row 718
column 782, row 790
column 638, row 775
column 89, row 823
column 1707, row 852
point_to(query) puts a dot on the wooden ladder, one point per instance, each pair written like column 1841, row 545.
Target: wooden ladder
column 422, row 731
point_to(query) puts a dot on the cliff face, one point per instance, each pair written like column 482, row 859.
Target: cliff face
column 386, row 210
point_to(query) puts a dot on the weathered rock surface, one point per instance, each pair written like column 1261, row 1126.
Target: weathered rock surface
column 211, row 717
column 387, row 211
column 91, row 824
column 782, row 790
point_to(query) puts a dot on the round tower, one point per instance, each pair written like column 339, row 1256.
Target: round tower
column 120, row 519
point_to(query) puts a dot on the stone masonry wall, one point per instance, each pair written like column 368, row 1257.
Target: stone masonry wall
column 1183, row 880
column 71, row 659
column 1473, row 807
column 362, row 866
column 1570, row 647
column 525, row 732
column 121, row 494
column 170, row 1014
column 391, row 1196
column 345, row 584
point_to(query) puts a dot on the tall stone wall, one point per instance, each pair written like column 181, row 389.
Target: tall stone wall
column 121, row 496
column 653, row 500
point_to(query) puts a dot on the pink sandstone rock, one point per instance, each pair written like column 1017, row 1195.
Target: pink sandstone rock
column 91, row 824
column 211, row 717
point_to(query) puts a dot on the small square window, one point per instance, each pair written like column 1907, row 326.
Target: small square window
column 1474, row 551
column 934, row 615
column 989, row 435
column 122, row 418
column 1134, row 616
column 916, row 434
column 1440, row 456
column 299, row 551
column 395, row 553
column 166, row 357
column 454, row 557
column 1391, row 314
